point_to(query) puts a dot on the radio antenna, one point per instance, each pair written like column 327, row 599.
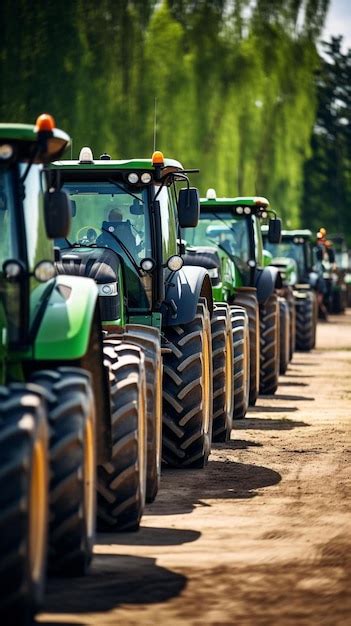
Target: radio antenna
column 155, row 122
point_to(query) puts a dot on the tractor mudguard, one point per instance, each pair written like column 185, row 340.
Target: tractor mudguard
column 266, row 280
column 65, row 326
column 183, row 290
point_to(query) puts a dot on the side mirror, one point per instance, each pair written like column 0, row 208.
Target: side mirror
column 188, row 207
column 274, row 230
column 57, row 213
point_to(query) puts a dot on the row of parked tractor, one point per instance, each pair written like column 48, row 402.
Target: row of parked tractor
column 137, row 321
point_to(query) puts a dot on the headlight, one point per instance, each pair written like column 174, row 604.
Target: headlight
column 6, row 151
column 175, row 263
column 44, row 271
column 247, row 210
column 108, row 289
column 239, row 210
column 213, row 272
column 147, row 264
column 146, row 177
column 133, row 178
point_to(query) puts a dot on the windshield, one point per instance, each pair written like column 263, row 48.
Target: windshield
column 227, row 231
column 288, row 249
column 107, row 215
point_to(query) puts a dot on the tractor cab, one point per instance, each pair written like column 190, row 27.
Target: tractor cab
column 125, row 229
column 232, row 225
column 30, row 215
column 295, row 245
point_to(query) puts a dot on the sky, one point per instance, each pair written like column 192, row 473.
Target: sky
column 339, row 21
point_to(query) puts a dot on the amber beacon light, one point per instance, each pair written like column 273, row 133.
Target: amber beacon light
column 45, row 122
column 158, row 158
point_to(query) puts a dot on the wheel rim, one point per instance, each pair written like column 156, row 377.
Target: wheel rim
column 228, row 375
column 247, row 366
column 142, row 442
column 37, row 512
column 206, row 379
column 159, row 416
column 89, row 475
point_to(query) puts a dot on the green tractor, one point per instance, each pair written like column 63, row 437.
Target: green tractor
column 125, row 234
column 71, row 398
column 293, row 256
column 47, row 410
column 230, row 229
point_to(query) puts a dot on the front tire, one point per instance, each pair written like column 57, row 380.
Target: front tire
column 187, row 392
column 269, row 338
column 246, row 297
column 223, row 372
column 241, row 344
column 122, row 481
column 284, row 343
column 305, row 321
column 71, row 417
column 148, row 339
column 24, row 462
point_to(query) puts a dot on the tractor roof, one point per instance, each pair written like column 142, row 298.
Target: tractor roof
column 168, row 166
column 24, row 137
column 246, row 205
column 249, row 201
column 301, row 233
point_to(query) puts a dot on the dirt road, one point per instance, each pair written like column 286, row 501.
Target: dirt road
column 261, row 537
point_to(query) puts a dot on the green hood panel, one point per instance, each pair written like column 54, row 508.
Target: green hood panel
column 65, row 327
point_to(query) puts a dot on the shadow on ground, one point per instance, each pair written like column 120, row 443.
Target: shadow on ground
column 286, row 383
column 272, row 409
column 236, row 444
column 222, row 479
column 150, row 537
column 259, row 423
column 288, row 375
column 114, row 580
column 290, row 398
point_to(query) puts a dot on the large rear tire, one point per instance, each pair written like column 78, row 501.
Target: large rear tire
column 148, row 338
column 187, row 392
column 71, row 417
column 269, row 352
column 241, row 344
column 223, row 372
column 246, row 297
column 284, row 326
column 292, row 321
column 305, row 320
column 122, row 481
column 24, row 487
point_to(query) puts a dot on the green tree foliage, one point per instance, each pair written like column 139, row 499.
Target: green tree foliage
column 232, row 79
column 328, row 172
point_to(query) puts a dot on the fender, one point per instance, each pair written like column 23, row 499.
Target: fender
column 183, row 290
column 266, row 280
column 65, row 326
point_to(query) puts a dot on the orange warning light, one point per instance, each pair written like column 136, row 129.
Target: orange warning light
column 45, row 122
column 157, row 158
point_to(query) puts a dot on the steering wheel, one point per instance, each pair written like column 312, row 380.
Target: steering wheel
column 91, row 237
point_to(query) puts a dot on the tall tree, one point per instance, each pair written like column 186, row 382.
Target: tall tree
column 327, row 188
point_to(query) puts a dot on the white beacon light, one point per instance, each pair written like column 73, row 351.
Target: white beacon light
column 86, row 155
column 211, row 194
